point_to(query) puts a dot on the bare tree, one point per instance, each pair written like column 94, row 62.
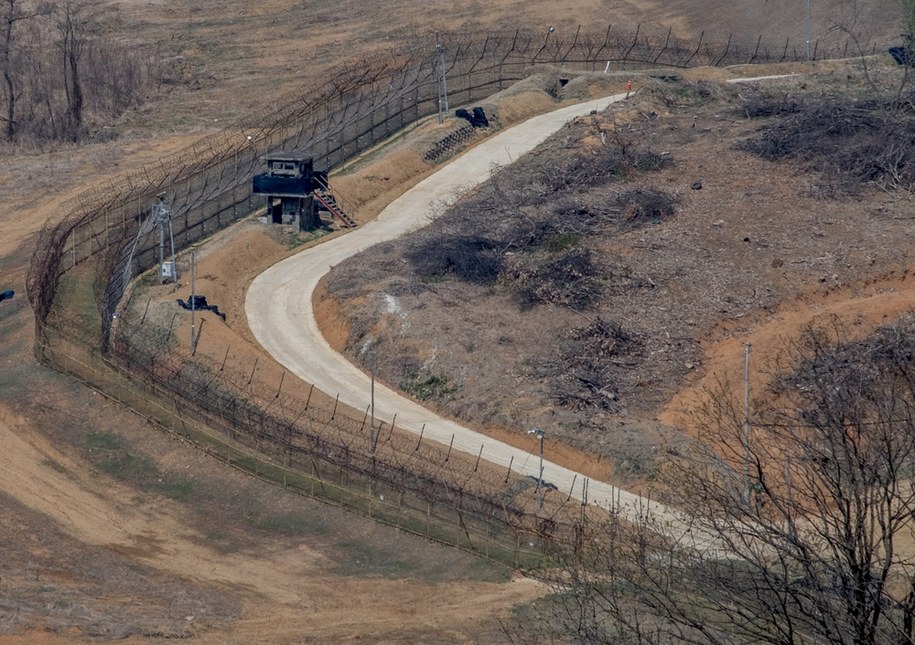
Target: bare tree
column 73, row 24
column 810, row 514
column 12, row 12
column 848, row 22
column 58, row 77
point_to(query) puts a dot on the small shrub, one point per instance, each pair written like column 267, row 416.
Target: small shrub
column 646, row 206
column 849, row 142
column 583, row 375
column 598, row 166
column 678, row 93
column 760, row 105
column 583, row 170
column 465, row 257
column 567, row 281
column 648, row 160
column 562, row 241
column 429, row 387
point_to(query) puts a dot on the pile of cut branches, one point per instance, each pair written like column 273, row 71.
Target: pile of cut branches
column 850, row 143
column 584, row 375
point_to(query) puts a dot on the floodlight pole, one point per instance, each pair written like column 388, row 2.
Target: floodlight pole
column 808, row 30
column 161, row 245
column 540, row 434
column 443, row 83
column 193, row 302
column 162, row 217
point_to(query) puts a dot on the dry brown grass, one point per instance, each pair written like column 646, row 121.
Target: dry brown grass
column 235, row 57
column 751, row 239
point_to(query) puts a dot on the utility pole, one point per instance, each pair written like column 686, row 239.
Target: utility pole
column 746, row 425
column 372, row 425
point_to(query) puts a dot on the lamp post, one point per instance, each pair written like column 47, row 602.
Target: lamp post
column 808, row 31
column 372, row 426
column 540, row 434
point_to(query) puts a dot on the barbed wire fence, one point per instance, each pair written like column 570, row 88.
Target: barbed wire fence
column 208, row 187
column 269, row 425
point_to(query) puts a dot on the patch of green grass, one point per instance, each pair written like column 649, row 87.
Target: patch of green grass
column 432, row 278
column 178, row 489
column 76, row 300
column 222, row 541
column 562, row 241
column 361, row 560
column 55, row 465
column 390, row 560
column 125, row 465
column 218, row 536
column 432, row 387
column 138, row 470
column 295, row 239
column 285, row 523
column 104, row 441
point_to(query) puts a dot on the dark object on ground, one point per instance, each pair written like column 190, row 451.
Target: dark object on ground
column 545, row 484
column 696, row 185
column 6, row 295
column 198, row 303
column 477, row 118
column 904, row 55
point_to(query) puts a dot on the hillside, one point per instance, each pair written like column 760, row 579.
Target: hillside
column 114, row 531
column 583, row 288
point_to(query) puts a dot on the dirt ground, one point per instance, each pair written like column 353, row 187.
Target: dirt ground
column 145, row 567
column 752, row 256
column 92, row 555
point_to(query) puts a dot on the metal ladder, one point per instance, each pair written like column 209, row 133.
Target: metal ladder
column 326, row 198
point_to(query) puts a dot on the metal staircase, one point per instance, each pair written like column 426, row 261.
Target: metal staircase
column 329, row 202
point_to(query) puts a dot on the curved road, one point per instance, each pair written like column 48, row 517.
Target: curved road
column 281, row 316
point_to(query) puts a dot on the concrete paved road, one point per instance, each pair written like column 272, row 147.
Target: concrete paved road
column 281, row 316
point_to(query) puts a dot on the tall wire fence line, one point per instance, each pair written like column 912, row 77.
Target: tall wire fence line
column 95, row 242
column 268, row 427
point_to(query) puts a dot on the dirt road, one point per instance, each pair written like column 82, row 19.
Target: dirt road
column 281, row 316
